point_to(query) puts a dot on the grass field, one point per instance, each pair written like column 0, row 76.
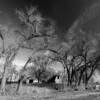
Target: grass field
column 43, row 93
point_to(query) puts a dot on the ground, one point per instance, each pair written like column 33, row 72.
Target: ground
column 65, row 97
column 43, row 93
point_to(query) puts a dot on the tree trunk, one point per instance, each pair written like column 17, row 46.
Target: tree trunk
column 3, row 47
column 21, row 77
column 3, row 82
column 19, row 86
column 90, row 75
column 86, row 82
column 68, row 74
column 80, row 78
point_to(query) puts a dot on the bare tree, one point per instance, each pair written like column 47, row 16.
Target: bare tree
column 37, row 27
column 41, row 62
column 22, row 74
column 38, row 32
column 10, row 56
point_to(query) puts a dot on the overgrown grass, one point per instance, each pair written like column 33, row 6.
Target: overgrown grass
column 45, row 92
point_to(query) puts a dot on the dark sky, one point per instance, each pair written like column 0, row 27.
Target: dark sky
column 64, row 12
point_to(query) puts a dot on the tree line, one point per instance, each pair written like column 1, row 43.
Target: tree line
column 80, row 53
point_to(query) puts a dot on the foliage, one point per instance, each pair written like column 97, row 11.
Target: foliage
column 41, row 63
column 38, row 29
column 43, row 74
